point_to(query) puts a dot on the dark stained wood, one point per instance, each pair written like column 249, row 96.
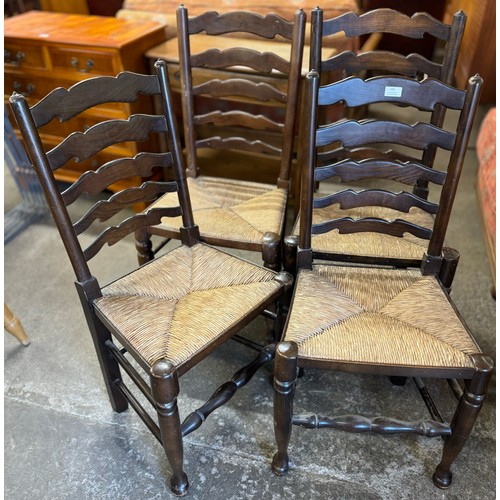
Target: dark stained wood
column 376, row 23
column 399, row 201
column 424, row 95
column 267, row 26
column 264, row 63
column 83, row 145
column 436, row 261
column 113, row 212
column 406, row 173
column 377, row 425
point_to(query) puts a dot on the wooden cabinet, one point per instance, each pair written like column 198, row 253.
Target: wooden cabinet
column 45, row 50
column 478, row 52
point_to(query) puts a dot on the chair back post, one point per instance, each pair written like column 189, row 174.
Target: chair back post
column 307, row 158
column 175, row 149
column 316, row 41
column 54, row 199
column 187, row 98
column 293, row 92
column 466, row 121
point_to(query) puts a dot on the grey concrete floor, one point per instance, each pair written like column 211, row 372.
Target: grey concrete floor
column 63, row 441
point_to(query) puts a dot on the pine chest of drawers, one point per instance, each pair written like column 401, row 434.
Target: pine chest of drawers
column 45, row 50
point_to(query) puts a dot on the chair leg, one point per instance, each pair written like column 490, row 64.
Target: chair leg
column 449, row 267
column 464, row 419
column 285, row 375
column 12, row 324
column 143, row 246
column 271, row 251
column 165, row 389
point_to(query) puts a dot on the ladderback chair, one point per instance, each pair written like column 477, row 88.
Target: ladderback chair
column 257, row 128
column 375, row 23
column 372, row 319
column 161, row 319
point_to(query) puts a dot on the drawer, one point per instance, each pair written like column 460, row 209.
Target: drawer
column 34, row 88
column 78, row 61
column 23, row 55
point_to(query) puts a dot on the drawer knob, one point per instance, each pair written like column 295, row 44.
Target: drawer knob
column 75, row 63
column 18, row 59
column 30, row 89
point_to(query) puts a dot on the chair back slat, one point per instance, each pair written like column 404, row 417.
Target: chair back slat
column 347, row 225
column 377, row 198
column 410, row 65
column 83, row 145
column 406, row 173
column 424, row 95
column 113, row 234
column 238, row 87
column 134, row 181
column 252, row 91
column 105, row 209
column 230, row 118
column 387, row 21
column 93, row 182
column 239, row 143
column 267, row 26
column 352, row 133
column 362, row 153
column 67, row 103
column 240, row 56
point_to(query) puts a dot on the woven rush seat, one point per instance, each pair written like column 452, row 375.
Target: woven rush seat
column 180, row 294
column 369, row 244
column 231, row 209
column 375, row 315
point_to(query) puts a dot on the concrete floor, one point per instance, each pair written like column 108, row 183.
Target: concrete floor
column 63, row 441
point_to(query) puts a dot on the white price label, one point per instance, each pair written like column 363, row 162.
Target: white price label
column 393, row 91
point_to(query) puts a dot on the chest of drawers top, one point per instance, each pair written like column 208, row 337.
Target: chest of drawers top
column 99, row 31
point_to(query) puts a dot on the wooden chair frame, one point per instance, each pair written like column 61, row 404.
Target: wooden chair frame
column 112, row 311
column 354, row 355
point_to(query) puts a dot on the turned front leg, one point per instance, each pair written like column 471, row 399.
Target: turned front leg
column 285, row 374
column 165, row 389
column 464, row 419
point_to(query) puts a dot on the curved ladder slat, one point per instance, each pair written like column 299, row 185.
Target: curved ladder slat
column 352, row 133
column 265, row 62
column 402, row 201
column 113, row 234
column 66, row 103
column 241, row 118
column 348, row 225
column 424, row 95
column 103, row 210
column 230, row 22
column 83, row 145
column 239, row 143
column 238, row 87
column 387, row 21
column 93, row 182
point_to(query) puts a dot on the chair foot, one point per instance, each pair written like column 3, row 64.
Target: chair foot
column 179, row 486
column 280, row 464
column 442, row 479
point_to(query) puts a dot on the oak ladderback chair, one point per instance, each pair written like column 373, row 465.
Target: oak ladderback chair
column 381, row 320
column 161, row 319
column 255, row 129
column 375, row 23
